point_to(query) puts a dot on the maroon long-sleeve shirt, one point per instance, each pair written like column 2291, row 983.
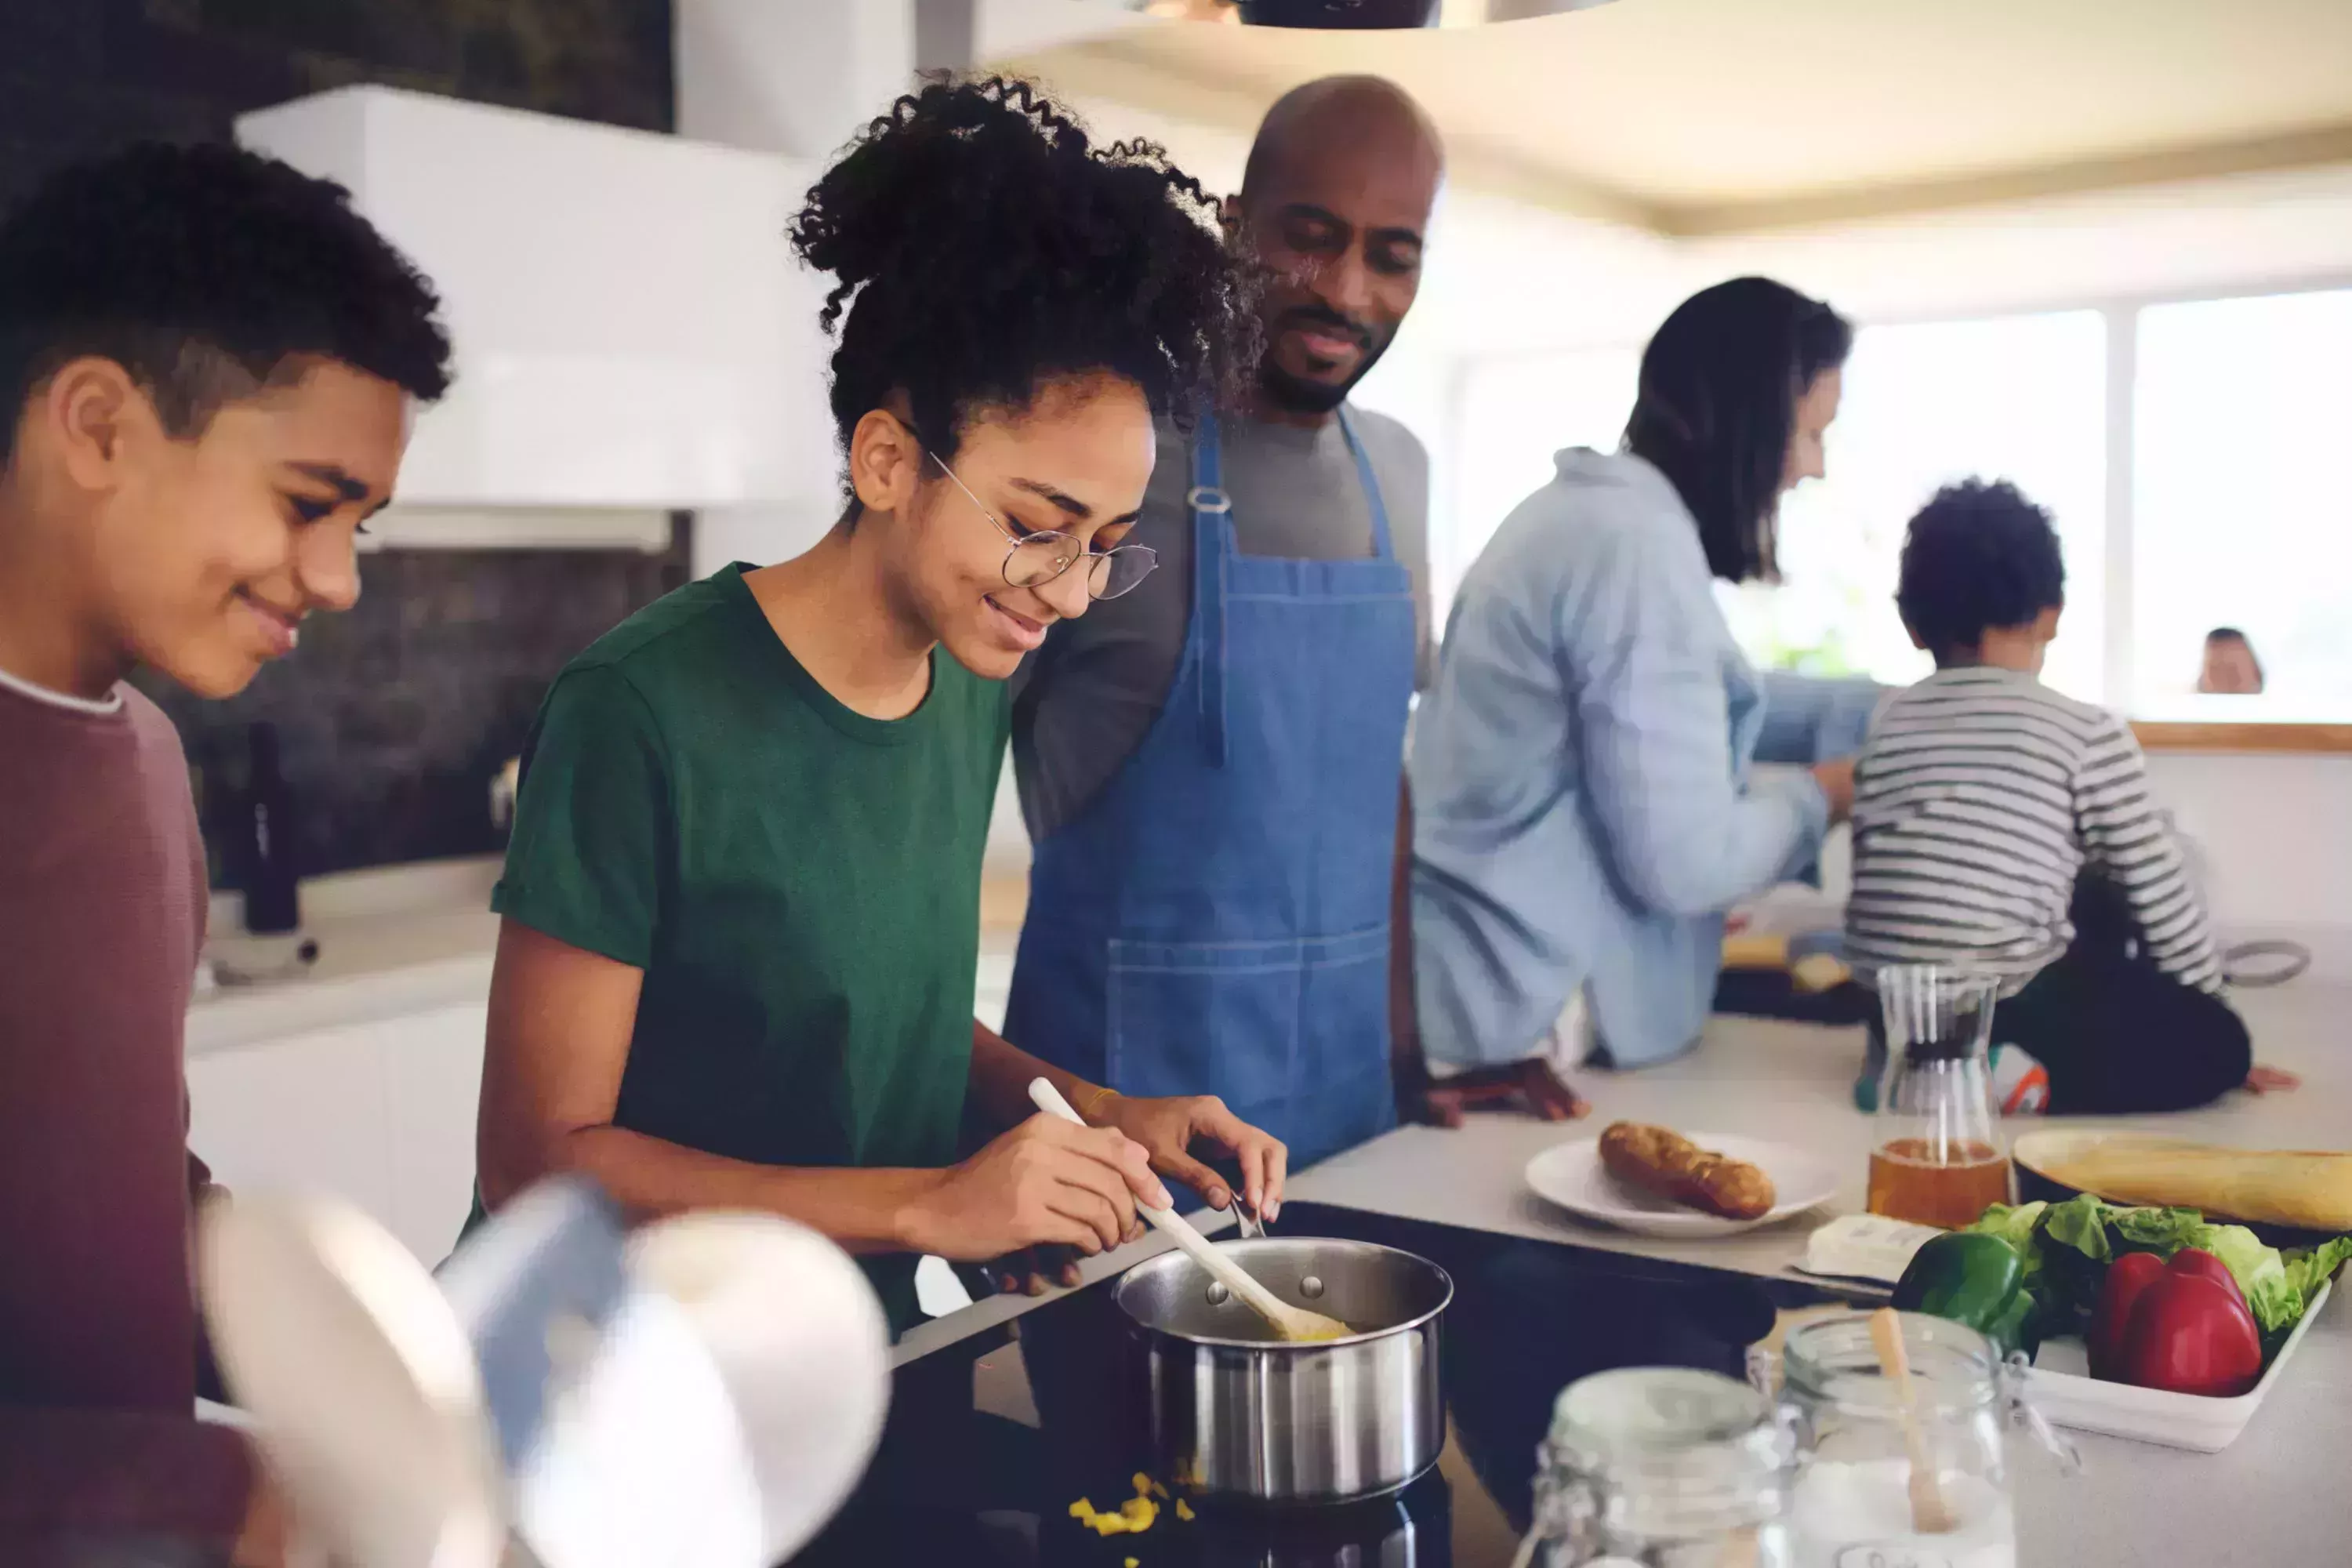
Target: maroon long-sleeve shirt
column 103, row 903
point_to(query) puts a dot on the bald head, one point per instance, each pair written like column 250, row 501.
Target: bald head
column 1335, row 203
column 1343, row 116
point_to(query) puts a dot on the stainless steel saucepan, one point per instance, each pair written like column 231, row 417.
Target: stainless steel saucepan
column 1235, row 1411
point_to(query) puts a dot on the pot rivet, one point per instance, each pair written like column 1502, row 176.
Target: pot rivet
column 1218, row 1294
column 1311, row 1288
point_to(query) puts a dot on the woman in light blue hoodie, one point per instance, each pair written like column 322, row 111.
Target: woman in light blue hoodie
column 1584, row 809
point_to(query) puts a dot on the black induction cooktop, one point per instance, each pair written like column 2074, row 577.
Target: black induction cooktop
column 957, row 1485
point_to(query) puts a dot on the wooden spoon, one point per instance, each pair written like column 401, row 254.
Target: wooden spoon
column 1291, row 1323
column 1931, row 1514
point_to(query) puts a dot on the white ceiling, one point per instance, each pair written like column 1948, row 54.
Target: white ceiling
column 1710, row 116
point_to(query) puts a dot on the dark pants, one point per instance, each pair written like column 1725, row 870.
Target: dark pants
column 2116, row 1033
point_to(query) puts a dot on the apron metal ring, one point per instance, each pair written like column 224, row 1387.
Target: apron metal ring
column 1208, row 497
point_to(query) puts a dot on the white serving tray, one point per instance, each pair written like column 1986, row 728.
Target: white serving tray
column 2061, row 1388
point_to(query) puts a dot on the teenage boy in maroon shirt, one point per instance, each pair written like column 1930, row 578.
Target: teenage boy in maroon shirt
column 207, row 362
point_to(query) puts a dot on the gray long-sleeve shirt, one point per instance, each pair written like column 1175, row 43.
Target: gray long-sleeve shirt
column 1084, row 702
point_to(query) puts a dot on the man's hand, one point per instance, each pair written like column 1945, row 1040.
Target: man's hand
column 2271, row 1081
column 1530, row 1085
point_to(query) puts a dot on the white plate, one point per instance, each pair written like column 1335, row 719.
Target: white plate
column 2060, row 1388
column 1572, row 1176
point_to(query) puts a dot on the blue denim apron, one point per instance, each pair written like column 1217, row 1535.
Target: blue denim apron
column 1217, row 920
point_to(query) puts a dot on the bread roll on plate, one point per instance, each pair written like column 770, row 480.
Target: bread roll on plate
column 1664, row 1161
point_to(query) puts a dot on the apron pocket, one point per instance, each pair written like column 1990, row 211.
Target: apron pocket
column 1204, row 1017
column 1343, row 1045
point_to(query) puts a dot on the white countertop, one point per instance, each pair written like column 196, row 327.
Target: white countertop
column 392, row 940
column 400, row 940
column 413, row 938
column 2274, row 1497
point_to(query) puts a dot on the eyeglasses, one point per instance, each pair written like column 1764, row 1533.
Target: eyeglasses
column 1037, row 559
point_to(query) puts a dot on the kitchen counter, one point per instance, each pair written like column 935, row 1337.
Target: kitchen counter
column 400, row 940
column 2271, row 1498
column 392, row 940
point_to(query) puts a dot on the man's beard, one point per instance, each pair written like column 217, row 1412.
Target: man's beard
column 1295, row 395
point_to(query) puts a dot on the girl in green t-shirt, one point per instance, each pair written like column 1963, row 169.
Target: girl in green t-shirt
column 741, row 901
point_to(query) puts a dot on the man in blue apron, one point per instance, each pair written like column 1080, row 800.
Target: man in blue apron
column 1211, row 767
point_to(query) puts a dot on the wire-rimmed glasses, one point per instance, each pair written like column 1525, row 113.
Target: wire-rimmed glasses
column 1037, row 559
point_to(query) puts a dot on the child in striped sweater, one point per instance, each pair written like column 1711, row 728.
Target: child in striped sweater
column 2003, row 827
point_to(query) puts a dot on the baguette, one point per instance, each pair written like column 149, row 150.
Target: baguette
column 1662, row 1160
column 2308, row 1189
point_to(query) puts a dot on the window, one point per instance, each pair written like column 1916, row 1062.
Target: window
column 2018, row 397
column 2021, row 398
column 1515, row 415
column 2227, row 416
column 2241, row 509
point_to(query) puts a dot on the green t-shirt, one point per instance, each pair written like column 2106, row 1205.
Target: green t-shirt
column 799, row 883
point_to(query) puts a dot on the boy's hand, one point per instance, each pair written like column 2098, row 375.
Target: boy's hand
column 264, row 1540
column 2271, row 1080
column 1836, row 779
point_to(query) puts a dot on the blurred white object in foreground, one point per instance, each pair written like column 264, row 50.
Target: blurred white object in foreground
column 706, row 1391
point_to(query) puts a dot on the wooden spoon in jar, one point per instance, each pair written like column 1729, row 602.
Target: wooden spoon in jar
column 1291, row 1323
column 1931, row 1514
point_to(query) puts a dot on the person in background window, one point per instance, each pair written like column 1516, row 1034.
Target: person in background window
column 1585, row 811
column 2002, row 827
column 2230, row 667
column 206, row 362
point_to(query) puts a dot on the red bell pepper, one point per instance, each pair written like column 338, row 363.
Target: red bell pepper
column 2183, row 1326
column 2197, row 1260
column 2127, row 1277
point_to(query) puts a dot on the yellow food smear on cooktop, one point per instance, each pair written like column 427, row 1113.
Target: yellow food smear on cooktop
column 1134, row 1516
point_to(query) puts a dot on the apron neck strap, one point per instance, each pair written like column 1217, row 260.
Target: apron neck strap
column 1211, row 518
column 1381, row 548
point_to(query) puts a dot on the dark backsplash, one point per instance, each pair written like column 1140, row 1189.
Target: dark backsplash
column 79, row 76
column 392, row 718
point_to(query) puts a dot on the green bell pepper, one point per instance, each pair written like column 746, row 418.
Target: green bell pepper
column 1974, row 1279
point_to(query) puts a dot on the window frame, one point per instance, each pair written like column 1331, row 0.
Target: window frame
column 2120, row 314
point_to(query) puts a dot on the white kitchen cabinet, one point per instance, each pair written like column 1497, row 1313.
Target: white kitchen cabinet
column 303, row 1113
column 631, row 327
column 433, row 1082
column 379, row 1113
column 995, row 990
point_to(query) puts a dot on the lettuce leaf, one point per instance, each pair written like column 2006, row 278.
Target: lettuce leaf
column 2260, row 1271
column 2013, row 1222
column 2310, row 1267
column 2080, row 1222
column 2157, row 1230
column 2067, row 1247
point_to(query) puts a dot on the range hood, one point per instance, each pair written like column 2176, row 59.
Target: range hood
column 633, row 335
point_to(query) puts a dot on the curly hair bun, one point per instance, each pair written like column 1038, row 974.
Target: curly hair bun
column 984, row 244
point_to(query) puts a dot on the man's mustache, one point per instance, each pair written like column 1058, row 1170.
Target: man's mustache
column 1326, row 320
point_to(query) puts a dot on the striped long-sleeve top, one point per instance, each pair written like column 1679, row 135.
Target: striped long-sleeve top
column 1979, row 798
